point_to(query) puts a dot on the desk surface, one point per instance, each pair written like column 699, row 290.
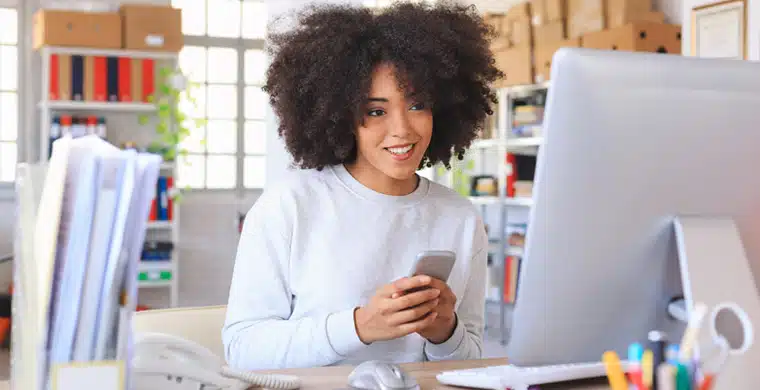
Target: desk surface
column 332, row 378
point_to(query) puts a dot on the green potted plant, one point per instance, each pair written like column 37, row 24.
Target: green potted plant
column 172, row 125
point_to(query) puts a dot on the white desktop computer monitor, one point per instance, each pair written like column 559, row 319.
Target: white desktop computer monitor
column 632, row 141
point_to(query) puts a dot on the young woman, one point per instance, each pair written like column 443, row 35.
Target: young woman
column 365, row 100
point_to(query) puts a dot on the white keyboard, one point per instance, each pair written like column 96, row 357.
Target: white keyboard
column 519, row 378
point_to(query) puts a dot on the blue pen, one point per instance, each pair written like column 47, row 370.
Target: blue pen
column 671, row 354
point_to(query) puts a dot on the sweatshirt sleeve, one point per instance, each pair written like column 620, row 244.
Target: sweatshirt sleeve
column 467, row 340
column 257, row 332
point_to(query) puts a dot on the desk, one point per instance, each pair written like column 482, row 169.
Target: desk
column 332, row 378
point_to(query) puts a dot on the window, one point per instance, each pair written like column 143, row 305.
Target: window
column 9, row 101
column 224, row 56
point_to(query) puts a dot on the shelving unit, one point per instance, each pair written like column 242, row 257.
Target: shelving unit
column 505, row 142
column 502, row 142
column 153, row 274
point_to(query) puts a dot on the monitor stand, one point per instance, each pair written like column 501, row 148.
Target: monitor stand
column 715, row 271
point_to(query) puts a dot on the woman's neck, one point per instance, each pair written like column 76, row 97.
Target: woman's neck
column 376, row 180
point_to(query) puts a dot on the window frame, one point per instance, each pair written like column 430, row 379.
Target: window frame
column 241, row 45
column 7, row 188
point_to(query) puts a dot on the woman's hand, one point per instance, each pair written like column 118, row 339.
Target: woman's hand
column 445, row 321
column 387, row 318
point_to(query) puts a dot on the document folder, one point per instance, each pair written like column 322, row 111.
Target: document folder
column 81, row 221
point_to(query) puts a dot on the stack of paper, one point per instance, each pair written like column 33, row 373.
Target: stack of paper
column 79, row 243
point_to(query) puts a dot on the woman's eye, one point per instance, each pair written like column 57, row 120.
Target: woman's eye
column 375, row 113
column 418, row 106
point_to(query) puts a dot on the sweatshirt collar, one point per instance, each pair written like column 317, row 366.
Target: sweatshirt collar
column 365, row 192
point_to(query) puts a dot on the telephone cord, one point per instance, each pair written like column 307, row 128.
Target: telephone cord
column 265, row 381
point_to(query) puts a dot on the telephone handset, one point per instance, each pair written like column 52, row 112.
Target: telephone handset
column 163, row 361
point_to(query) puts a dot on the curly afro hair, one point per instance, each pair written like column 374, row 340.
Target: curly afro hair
column 321, row 70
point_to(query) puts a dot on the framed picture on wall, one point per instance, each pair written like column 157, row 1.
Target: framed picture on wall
column 719, row 30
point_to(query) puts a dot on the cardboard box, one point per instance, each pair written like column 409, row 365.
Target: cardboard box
column 500, row 26
column 621, row 12
column 152, row 27
column 518, row 25
column 638, row 36
column 549, row 33
column 547, row 11
column 623, row 18
column 585, row 16
column 513, row 29
column 517, row 65
column 101, row 30
column 519, row 11
column 543, row 55
column 520, row 33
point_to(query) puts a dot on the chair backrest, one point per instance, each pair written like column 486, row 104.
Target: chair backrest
column 201, row 325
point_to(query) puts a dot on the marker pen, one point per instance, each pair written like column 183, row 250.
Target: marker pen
column 635, row 353
column 648, row 370
column 657, row 342
column 683, row 378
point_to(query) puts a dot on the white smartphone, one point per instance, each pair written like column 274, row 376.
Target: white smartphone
column 436, row 264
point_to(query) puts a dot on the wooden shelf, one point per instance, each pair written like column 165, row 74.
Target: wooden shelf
column 489, row 200
column 86, row 51
column 160, row 225
column 64, row 105
column 509, row 143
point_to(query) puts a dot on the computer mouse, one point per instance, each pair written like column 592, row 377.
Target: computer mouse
column 378, row 375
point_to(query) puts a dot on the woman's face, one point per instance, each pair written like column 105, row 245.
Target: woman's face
column 396, row 130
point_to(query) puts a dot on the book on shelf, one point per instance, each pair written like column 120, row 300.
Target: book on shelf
column 162, row 204
column 511, row 278
column 89, row 78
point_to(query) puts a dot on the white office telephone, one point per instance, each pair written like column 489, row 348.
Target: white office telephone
column 166, row 362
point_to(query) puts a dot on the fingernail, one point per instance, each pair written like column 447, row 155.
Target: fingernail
column 436, row 293
column 394, row 296
column 425, row 279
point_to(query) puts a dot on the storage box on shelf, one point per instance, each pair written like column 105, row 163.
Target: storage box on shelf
column 622, row 12
column 549, row 19
column 544, row 54
column 639, row 36
column 517, row 65
column 584, row 16
column 555, row 24
column 76, row 28
column 151, row 27
column 136, row 26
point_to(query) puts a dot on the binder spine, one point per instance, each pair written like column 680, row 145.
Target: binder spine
column 77, row 77
column 112, row 79
column 125, row 86
column 54, row 92
column 100, row 79
column 148, row 77
column 89, row 78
